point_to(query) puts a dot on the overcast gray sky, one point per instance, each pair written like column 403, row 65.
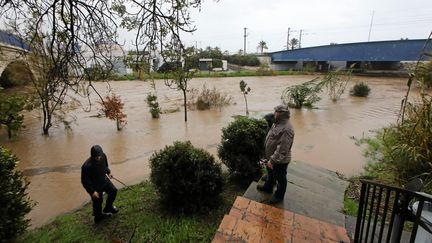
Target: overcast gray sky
column 322, row 21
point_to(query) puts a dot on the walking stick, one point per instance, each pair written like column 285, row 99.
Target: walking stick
column 127, row 187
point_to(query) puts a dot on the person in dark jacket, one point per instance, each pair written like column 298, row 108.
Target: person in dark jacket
column 95, row 176
column 278, row 145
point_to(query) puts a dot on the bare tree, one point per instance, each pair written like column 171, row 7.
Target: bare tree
column 75, row 34
column 180, row 76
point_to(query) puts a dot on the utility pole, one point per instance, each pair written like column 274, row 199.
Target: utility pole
column 301, row 31
column 244, row 44
column 288, row 38
column 370, row 27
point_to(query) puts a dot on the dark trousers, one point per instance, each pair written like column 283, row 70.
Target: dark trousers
column 111, row 190
column 277, row 174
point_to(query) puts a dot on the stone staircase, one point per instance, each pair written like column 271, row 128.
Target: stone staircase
column 310, row 211
column 251, row 221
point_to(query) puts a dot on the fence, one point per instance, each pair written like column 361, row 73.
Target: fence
column 383, row 211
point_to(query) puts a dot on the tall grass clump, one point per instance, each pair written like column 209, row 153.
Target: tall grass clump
column 211, row 98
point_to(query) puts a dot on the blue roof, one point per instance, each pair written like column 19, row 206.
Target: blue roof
column 13, row 40
column 397, row 50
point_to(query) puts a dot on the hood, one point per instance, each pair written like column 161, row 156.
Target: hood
column 283, row 116
column 95, row 151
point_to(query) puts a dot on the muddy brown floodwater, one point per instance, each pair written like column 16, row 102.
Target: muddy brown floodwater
column 323, row 136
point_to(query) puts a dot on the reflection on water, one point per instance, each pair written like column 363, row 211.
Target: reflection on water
column 323, row 135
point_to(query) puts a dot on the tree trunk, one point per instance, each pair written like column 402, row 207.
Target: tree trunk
column 47, row 118
column 118, row 124
column 9, row 131
column 247, row 110
column 184, row 104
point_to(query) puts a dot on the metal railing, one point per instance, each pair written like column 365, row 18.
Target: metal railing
column 383, row 211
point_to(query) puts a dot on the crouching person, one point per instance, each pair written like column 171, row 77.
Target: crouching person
column 95, row 176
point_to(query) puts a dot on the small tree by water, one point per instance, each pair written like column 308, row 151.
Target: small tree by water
column 112, row 108
column 154, row 105
column 245, row 90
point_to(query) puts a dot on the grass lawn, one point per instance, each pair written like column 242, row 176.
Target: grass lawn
column 140, row 218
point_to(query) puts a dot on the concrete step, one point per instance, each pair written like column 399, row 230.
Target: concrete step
column 250, row 221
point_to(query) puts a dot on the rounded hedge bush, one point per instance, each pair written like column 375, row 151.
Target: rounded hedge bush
column 187, row 178
column 14, row 201
column 242, row 147
column 360, row 90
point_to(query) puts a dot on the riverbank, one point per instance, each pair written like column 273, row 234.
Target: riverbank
column 140, row 219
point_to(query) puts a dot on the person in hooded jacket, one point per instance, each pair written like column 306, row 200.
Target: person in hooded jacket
column 278, row 145
column 95, row 176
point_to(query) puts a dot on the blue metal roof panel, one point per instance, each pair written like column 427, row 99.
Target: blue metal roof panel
column 12, row 40
column 401, row 50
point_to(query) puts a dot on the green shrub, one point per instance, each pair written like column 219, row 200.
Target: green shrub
column 360, row 90
column 187, row 178
column 14, row 201
column 154, row 105
column 242, row 147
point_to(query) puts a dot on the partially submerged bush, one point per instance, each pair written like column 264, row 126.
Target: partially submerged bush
column 242, row 147
column 209, row 98
column 187, row 178
column 335, row 83
column 360, row 90
column 14, row 201
column 305, row 94
column 154, row 105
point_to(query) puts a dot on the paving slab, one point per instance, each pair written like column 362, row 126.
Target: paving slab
column 311, row 191
column 251, row 221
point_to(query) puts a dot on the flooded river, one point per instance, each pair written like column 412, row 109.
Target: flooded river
column 323, row 136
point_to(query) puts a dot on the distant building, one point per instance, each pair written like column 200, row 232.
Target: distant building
column 206, row 64
column 378, row 55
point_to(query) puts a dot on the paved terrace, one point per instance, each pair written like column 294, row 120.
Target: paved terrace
column 310, row 212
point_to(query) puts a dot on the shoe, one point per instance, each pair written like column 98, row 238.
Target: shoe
column 264, row 188
column 274, row 200
column 101, row 217
column 112, row 210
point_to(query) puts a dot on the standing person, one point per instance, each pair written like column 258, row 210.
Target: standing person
column 94, row 178
column 278, row 145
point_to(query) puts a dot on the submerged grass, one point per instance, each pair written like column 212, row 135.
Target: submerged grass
column 140, row 218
